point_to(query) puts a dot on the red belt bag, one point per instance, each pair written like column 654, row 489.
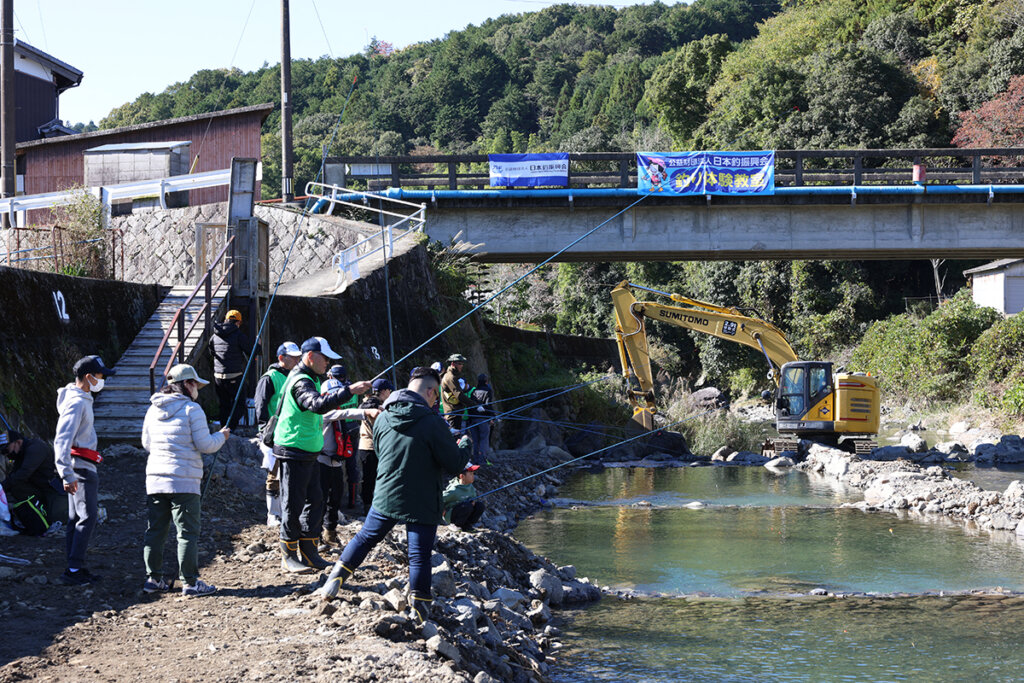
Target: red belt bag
column 87, row 454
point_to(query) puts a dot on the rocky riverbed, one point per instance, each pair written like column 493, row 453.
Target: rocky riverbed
column 493, row 597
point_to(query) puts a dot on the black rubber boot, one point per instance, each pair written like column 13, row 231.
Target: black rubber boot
column 290, row 558
column 419, row 609
column 309, row 556
column 339, row 575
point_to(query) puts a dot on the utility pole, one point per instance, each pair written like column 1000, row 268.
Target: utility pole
column 287, row 160
column 8, row 183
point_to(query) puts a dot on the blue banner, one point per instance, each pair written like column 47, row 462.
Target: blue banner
column 529, row 170
column 738, row 174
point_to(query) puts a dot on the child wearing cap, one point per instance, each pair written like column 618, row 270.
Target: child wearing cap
column 460, row 508
column 76, row 457
column 176, row 434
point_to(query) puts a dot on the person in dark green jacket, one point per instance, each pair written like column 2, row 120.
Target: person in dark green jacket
column 417, row 455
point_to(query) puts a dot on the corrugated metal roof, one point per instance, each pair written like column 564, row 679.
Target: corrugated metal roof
column 138, row 146
column 263, row 109
column 1001, row 264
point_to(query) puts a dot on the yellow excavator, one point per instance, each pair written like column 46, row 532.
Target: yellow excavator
column 811, row 400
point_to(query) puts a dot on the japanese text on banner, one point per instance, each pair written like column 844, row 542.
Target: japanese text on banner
column 697, row 173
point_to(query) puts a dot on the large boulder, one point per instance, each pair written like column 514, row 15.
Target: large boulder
column 914, row 442
column 888, row 453
column 548, row 584
column 708, row 398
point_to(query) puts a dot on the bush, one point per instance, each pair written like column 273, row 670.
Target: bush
column 925, row 358
column 999, row 351
column 708, row 433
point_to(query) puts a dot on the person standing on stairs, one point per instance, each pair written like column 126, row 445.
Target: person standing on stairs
column 230, row 346
column 298, row 441
column 76, row 457
column 266, row 399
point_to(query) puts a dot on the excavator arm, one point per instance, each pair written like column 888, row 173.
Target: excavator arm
column 718, row 321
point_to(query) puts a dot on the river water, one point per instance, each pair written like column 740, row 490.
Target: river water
column 739, row 571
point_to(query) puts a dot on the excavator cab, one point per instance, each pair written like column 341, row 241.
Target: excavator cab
column 804, row 395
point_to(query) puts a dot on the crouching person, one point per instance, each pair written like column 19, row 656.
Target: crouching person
column 175, row 433
column 460, row 505
column 416, row 455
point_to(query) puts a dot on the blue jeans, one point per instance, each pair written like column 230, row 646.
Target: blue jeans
column 421, row 543
column 83, row 513
column 480, row 432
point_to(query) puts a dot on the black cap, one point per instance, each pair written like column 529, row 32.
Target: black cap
column 482, row 378
column 92, row 365
column 337, row 372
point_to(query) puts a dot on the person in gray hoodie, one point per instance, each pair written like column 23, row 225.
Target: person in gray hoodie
column 76, row 457
column 176, row 434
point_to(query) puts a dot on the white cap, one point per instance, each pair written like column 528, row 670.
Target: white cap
column 320, row 345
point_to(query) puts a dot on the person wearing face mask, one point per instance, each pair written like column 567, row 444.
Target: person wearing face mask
column 175, row 433
column 76, row 457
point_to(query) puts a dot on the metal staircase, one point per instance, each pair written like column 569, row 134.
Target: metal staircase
column 186, row 313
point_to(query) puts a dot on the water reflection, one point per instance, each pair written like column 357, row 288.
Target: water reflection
column 893, row 639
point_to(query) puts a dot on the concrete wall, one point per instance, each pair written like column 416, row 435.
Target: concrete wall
column 159, row 246
column 511, row 231
column 40, row 344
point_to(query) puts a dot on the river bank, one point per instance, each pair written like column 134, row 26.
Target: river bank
column 494, row 598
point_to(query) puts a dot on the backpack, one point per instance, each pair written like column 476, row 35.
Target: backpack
column 29, row 517
column 344, row 440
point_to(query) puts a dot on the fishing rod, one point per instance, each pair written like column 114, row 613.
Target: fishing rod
column 601, row 450
column 280, row 276
column 512, row 284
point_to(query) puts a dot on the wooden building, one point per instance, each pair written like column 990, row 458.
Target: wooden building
column 39, row 79
column 55, row 164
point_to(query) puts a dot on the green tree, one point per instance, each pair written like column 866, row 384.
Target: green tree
column 678, row 89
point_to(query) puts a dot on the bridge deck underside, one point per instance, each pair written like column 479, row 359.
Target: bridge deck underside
column 870, row 228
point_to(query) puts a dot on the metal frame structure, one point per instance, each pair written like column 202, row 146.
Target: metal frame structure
column 329, row 196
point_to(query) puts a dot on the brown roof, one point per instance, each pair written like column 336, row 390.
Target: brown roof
column 263, row 109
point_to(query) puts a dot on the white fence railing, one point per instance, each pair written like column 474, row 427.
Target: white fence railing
column 347, row 261
column 110, row 193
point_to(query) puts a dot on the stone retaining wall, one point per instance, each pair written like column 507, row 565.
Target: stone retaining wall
column 159, row 246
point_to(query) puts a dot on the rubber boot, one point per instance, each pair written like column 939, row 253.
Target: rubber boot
column 419, row 609
column 339, row 575
column 290, row 558
column 331, row 537
column 352, row 488
column 309, row 556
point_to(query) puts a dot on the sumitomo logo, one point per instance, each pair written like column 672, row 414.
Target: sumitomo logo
column 683, row 317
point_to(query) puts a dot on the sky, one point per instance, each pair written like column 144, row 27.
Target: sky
column 128, row 47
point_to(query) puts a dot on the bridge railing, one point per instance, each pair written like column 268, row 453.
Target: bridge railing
column 793, row 168
column 407, row 218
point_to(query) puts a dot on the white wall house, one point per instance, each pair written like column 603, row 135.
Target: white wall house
column 999, row 285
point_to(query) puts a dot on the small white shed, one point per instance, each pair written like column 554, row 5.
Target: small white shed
column 999, row 285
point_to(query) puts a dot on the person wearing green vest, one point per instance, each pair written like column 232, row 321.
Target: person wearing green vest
column 268, row 395
column 298, row 440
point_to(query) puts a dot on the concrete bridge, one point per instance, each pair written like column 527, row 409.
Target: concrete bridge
column 834, row 204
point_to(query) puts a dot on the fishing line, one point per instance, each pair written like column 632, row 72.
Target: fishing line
column 614, row 445
column 515, row 282
column 566, row 425
column 546, row 398
column 273, row 296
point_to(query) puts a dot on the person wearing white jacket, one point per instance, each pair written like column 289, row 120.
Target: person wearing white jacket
column 176, row 434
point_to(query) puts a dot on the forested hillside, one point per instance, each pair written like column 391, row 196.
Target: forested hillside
column 716, row 74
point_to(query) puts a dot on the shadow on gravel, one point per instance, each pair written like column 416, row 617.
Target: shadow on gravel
column 36, row 607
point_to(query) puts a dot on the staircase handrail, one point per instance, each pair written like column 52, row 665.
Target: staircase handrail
column 337, row 194
column 178, row 321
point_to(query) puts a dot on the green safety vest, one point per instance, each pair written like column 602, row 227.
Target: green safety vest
column 298, row 428
column 278, row 379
